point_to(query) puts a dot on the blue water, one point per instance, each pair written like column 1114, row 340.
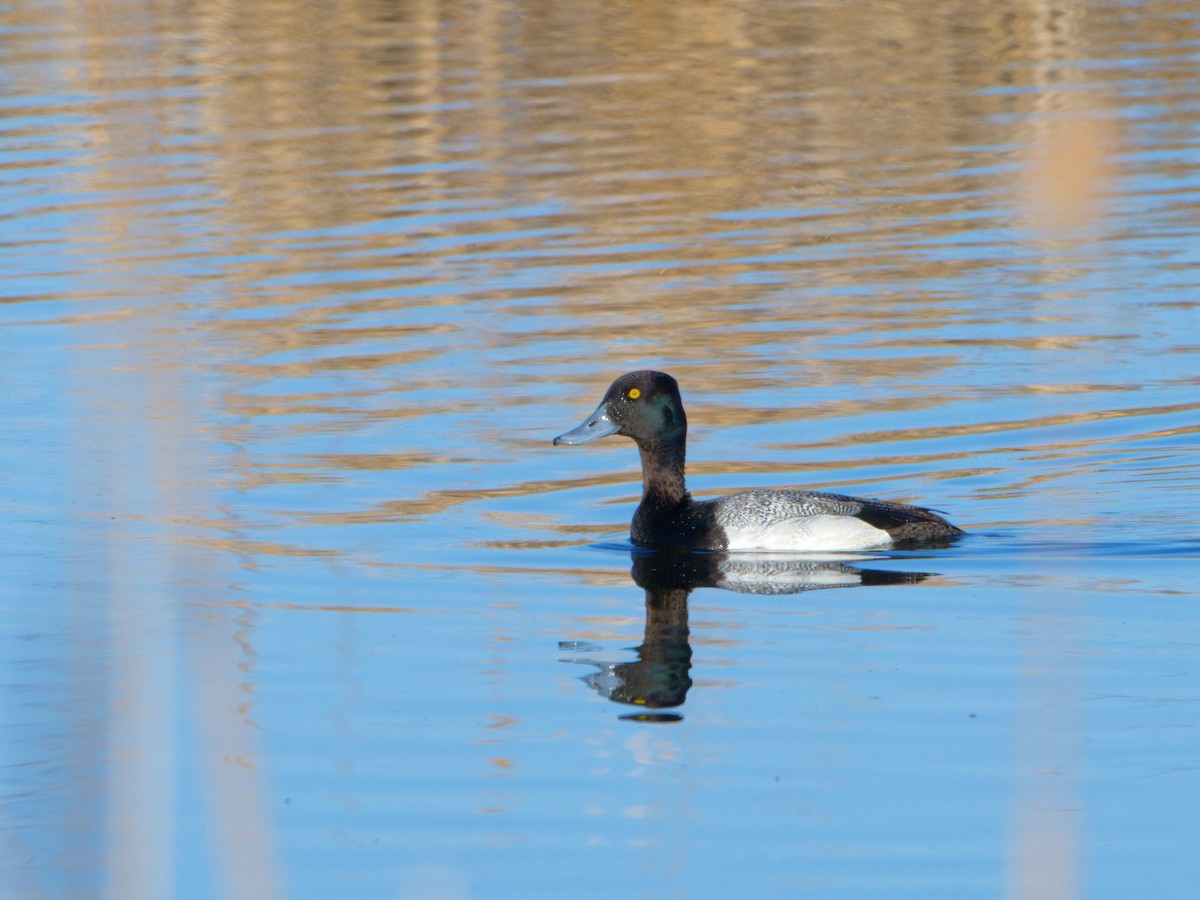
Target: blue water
column 298, row 599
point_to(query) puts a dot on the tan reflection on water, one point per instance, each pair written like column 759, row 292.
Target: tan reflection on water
column 934, row 464
column 655, row 118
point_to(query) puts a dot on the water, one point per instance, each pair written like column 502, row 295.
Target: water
column 298, row 599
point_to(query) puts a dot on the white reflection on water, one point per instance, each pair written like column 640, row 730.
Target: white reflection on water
column 293, row 305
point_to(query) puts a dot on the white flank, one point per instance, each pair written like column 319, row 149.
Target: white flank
column 806, row 533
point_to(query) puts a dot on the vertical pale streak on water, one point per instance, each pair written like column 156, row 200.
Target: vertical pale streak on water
column 136, row 454
column 142, row 607
column 122, row 455
column 232, row 770
column 1066, row 178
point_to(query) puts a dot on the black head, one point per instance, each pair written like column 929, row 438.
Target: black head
column 644, row 405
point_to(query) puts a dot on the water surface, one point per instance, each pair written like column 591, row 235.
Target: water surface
column 299, row 600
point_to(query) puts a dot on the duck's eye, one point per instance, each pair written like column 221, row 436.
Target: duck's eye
column 634, row 393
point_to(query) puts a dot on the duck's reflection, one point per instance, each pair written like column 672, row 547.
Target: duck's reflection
column 659, row 679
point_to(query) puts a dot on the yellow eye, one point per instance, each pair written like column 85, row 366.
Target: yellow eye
column 634, row 393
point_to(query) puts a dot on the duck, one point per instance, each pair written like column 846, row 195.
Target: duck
column 646, row 406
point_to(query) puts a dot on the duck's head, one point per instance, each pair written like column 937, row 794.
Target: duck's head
column 643, row 405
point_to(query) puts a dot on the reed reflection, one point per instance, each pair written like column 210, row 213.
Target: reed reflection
column 660, row 677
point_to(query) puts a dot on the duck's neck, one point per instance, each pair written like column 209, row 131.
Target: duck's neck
column 662, row 473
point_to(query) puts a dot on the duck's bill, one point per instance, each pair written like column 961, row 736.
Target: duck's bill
column 597, row 425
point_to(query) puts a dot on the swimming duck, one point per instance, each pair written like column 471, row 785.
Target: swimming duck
column 646, row 406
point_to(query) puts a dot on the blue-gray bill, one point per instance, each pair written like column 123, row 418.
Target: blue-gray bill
column 596, row 426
